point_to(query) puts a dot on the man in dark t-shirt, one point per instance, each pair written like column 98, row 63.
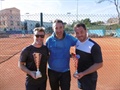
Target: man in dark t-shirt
column 90, row 59
column 28, row 64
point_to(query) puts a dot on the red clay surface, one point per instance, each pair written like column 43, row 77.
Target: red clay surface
column 12, row 78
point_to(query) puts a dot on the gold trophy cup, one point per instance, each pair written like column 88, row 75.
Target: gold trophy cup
column 37, row 59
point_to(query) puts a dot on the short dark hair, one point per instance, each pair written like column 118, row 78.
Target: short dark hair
column 58, row 21
column 80, row 25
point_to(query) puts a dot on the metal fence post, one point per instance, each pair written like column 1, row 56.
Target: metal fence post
column 41, row 19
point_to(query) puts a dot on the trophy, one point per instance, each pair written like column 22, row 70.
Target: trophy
column 75, row 59
column 37, row 59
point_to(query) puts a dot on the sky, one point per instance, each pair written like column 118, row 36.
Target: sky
column 60, row 6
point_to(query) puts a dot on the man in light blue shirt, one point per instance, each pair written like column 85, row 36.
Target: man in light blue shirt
column 59, row 44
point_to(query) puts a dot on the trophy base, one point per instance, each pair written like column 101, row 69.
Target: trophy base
column 75, row 74
column 38, row 74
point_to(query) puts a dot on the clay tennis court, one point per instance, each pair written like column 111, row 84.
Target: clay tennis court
column 12, row 78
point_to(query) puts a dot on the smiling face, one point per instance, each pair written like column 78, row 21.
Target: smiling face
column 39, row 37
column 81, row 32
column 39, row 34
column 58, row 28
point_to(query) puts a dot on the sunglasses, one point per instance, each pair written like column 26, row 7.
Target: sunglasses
column 42, row 36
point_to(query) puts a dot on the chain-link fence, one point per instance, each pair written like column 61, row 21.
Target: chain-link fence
column 16, row 39
column 108, row 23
column 16, row 23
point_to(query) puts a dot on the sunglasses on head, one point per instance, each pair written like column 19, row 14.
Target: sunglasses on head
column 42, row 36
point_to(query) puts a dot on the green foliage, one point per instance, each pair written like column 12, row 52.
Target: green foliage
column 93, row 25
column 88, row 23
column 37, row 25
column 25, row 25
column 5, row 29
column 49, row 30
column 112, row 27
column 105, row 27
column 68, row 28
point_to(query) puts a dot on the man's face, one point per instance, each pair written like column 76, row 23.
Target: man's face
column 58, row 29
column 39, row 37
column 81, row 33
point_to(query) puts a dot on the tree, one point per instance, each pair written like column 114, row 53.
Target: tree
column 25, row 25
column 97, row 23
column 37, row 24
column 86, row 21
column 116, row 3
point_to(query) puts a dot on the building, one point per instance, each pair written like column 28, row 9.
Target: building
column 10, row 19
column 112, row 21
column 31, row 24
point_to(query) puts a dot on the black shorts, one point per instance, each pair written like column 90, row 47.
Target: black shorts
column 41, row 86
column 88, row 82
column 59, row 80
column 35, row 84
